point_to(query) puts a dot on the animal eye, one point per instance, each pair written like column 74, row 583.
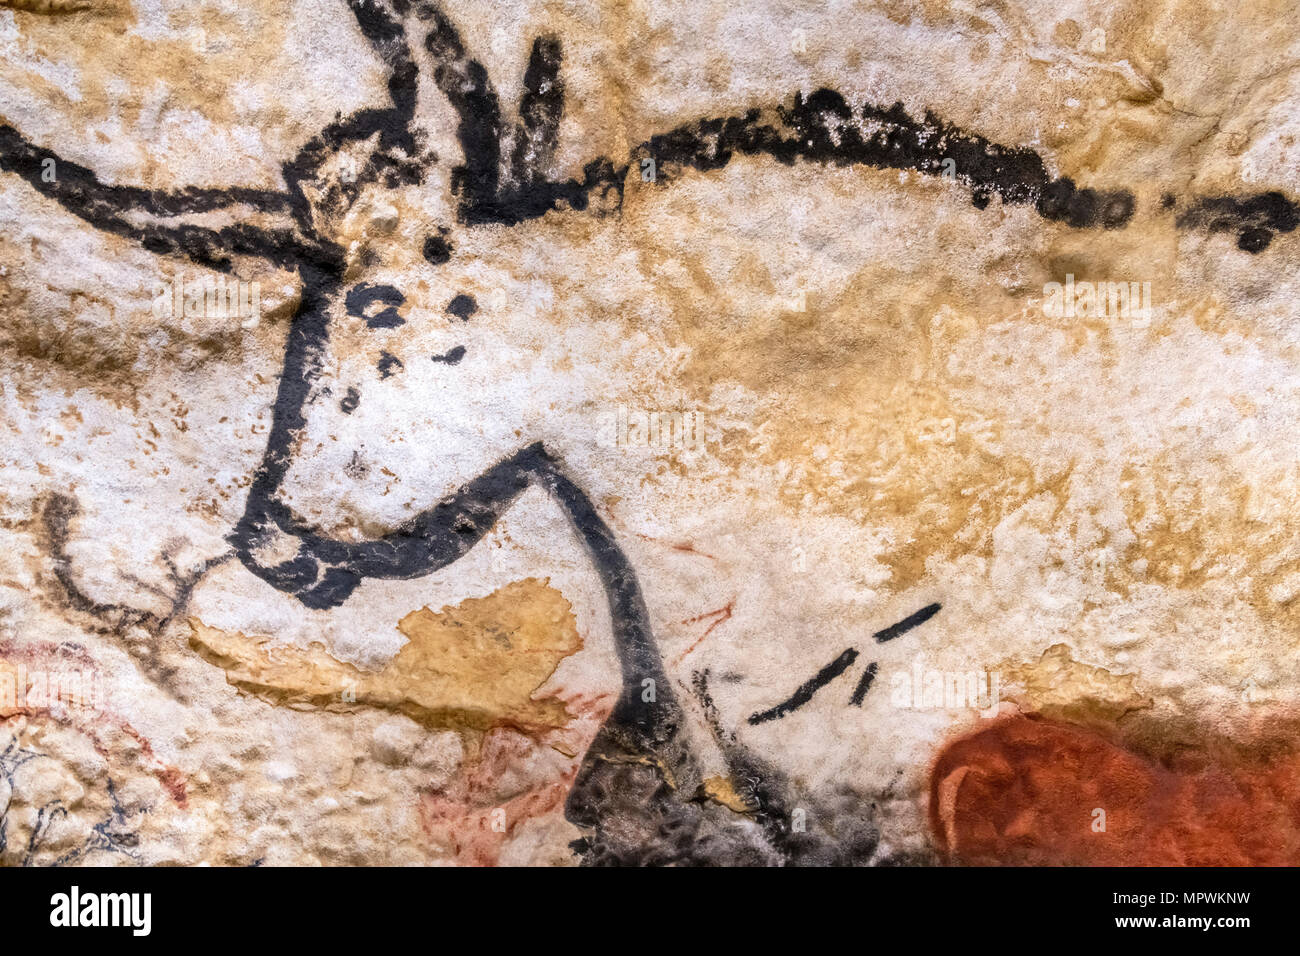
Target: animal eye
column 363, row 299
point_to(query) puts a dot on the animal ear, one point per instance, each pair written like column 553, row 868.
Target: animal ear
column 372, row 145
column 540, row 111
column 464, row 81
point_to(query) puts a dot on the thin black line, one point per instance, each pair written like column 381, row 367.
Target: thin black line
column 864, row 685
column 805, row 693
column 907, row 623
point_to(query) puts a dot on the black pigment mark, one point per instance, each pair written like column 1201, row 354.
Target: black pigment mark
column 356, row 468
column 864, row 685
column 907, row 623
column 76, row 185
column 351, row 399
column 452, row 357
column 464, row 82
column 145, row 215
column 840, row 664
column 361, row 299
column 477, row 182
column 540, row 112
column 395, row 158
column 1255, row 219
column 113, row 834
column 805, row 692
column 462, row 307
column 56, row 515
column 388, row 362
column 824, row 128
column 45, row 818
column 437, row 250
column 11, row 758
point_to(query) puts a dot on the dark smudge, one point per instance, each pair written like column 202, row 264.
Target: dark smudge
column 462, row 307
column 1255, row 219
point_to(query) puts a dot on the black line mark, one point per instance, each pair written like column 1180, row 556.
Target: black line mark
column 700, row 688
column 11, row 758
column 465, row 84
column 824, row 128
column 540, row 112
column 907, row 623
column 388, row 363
column 805, row 692
column 56, row 515
column 77, row 187
column 113, row 834
column 42, row 824
column 864, row 685
column 350, row 400
column 134, row 213
column 396, row 158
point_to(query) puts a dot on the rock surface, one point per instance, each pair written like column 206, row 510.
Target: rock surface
column 547, row 433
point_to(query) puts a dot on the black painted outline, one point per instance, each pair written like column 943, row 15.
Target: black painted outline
column 807, row 689
column 907, row 623
column 838, row 666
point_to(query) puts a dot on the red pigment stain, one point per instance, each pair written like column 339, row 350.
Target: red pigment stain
column 684, row 546
column 1026, row 791
column 473, row 818
column 94, row 723
column 170, row 777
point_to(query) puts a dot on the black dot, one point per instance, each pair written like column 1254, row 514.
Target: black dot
column 463, row 306
column 350, row 401
column 1255, row 239
column 437, row 250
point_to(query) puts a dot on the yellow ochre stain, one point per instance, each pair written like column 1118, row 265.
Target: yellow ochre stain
column 470, row 667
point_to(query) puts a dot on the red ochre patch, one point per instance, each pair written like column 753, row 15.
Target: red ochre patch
column 1026, row 791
